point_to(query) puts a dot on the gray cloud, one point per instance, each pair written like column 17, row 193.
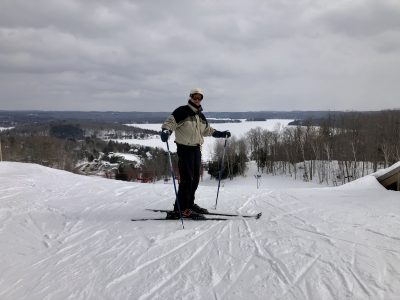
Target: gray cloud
column 146, row 55
column 363, row 18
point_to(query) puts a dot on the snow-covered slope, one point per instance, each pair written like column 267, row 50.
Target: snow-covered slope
column 65, row 236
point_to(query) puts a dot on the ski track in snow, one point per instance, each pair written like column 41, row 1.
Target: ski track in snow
column 181, row 266
column 65, row 236
column 157, row 259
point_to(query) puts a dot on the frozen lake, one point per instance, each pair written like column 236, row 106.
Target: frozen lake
column 238, row 130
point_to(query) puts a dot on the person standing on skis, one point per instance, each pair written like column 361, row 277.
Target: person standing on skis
column 190, row 126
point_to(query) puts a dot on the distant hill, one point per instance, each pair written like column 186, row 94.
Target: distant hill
column 12, row 118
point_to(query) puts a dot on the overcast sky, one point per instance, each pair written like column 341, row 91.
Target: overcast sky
column 246, row 55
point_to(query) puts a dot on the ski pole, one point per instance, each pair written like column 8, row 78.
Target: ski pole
column 173, row 180
column 220, row 172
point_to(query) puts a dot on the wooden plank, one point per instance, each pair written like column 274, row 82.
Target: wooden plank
column 398, row 182
column 389, row 174
column 390, row 180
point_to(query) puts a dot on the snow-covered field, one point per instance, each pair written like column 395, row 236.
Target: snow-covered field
column 130, row 157
column 66, row 236
column 5, row 128
column 237, row 129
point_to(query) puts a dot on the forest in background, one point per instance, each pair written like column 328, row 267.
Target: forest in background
column 339, row 150
column 66, row 145
column 17, row 118
column 336, row 149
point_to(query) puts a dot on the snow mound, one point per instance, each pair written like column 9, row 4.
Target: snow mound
column 368, row 182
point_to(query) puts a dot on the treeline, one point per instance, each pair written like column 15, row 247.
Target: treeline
column 79, row 130
column 341, row 149
column 65, row 145
column 235, row 159
column 17, row 118
column 43, row 150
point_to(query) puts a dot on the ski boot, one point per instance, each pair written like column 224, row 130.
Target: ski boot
column 191, row 214
column 199, row 209
column 173, row 215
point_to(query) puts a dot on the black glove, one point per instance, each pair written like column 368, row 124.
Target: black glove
column 221, row 134
column 165, row 135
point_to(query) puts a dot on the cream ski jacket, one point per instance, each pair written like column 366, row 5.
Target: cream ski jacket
column 190, row 125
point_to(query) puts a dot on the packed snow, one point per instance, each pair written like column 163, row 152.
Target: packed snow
column 238, row 130
column 67, row 236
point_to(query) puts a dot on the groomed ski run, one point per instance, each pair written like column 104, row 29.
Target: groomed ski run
column 65, row 236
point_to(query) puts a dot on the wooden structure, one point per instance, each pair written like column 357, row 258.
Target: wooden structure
column 391, row 179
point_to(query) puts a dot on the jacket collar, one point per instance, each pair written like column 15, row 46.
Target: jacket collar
column 194, row 107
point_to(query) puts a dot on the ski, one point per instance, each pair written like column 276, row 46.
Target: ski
column 186, row 219
column 255, row 216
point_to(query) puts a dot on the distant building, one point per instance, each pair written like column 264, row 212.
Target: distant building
column 390, row 179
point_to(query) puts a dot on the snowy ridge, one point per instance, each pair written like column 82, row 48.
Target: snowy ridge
column 66, row 236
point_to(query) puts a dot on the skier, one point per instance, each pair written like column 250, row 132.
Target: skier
column 190, row 125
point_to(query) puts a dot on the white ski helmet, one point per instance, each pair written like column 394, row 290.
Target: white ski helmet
column 196, row 91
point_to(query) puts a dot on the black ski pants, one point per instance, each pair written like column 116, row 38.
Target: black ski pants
column 189, row 163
